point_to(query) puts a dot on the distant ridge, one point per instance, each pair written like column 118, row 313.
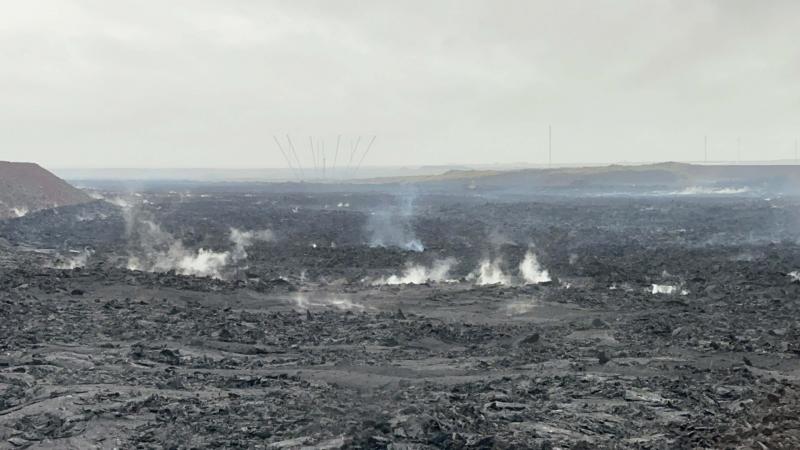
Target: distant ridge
column 27, row 187
column 667, row 175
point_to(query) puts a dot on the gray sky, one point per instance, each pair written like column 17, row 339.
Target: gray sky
column 202, row 83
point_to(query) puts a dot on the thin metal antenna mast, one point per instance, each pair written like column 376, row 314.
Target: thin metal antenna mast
column 353, row 151
column 285, row 156
column 336, row 155
column 294, row 152
column 322, row 152
column 369, row 146
column 313, row 154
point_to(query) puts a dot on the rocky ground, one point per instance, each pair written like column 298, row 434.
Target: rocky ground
column 298, row 346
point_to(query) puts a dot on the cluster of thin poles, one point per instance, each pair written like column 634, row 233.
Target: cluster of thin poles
column 320, row 166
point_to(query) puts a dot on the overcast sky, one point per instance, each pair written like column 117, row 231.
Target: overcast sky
column 202, row 83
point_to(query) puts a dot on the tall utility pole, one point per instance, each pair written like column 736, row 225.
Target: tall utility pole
column 550, row 146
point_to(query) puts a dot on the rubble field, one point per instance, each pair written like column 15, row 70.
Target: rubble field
column 667, row 322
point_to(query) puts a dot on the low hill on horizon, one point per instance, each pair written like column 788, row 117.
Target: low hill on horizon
column 668, row 175
column 27, row 187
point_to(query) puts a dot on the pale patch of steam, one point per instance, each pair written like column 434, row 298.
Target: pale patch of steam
column 155, row 250
column 700, row 190
column 244, row 239
column 497, row 239
column 520, row 307
column 573, row 258
column 79, row 260
column 162, row 253
column 20, row 212
column 414, row 245
column 531, row 270
column 489, row 272
column 119, row 201
column 394, row 228
column 418, row 274
column 87, row 217
column 667, row 289
column 343, row 304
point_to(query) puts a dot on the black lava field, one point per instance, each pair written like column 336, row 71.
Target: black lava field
column 239, row 318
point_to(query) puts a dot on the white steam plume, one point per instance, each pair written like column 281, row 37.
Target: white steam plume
column 667, row 289
column 531, row 271
column 155, row 250
column 244, row 239
column 20, row 212
column 418, row 274
column 162, row 253
column 489, row 272
column 394, row 227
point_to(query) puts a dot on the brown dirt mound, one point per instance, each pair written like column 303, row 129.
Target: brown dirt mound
column 27, row 187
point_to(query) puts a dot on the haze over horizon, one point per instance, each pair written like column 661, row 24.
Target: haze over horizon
column 207, row 83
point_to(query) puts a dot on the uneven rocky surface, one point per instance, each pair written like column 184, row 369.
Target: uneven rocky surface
column 298, row 346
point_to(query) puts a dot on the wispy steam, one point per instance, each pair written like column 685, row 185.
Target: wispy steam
column 244, row 239
column 418, row 274
column 701, row 190
column 342, row 304
column 161, row 252
column 153, row 249
column 489, row 272
column 531, row 271
column 78, row 260
column 394, row 227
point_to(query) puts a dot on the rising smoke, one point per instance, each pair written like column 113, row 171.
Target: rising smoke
column 152, row 249
column 531, row 271
column 394, row 228
column 417, row 274
column 162, row 252
column 244, row 239
column 490, row 272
